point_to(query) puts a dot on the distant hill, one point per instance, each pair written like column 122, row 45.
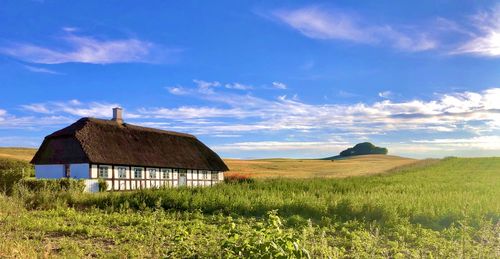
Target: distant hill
column 365, row 148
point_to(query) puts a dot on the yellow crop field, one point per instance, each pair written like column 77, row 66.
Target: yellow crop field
column 24, row 154
column 308, row 168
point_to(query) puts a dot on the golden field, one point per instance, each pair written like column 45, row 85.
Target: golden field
column 308, row 168
column 25, row 154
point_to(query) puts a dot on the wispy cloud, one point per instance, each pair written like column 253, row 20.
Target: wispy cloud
column 473, row 118
column 279, row 85
column 486, row 40
column 10, row 121
column 452, row 112
column 385, row 94
column 177, row 90
column 282, row 146
column 329, row 24
column 238, row 86
column 41, row 70
column 489, row 142
column 346, row 94
column 74, row 108
column 87, row 49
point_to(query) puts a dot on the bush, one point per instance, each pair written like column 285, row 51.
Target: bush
column 238, row 178
column 56, row 185
column 11, row 172
column 103, row 185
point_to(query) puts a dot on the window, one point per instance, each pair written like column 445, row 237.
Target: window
column 215, row 175
column 166, row 173
column 137, row 172
column 204, row 175
column 122, row 172
column 103, row 172
column 152, row 173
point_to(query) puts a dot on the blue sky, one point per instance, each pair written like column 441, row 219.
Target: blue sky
column 259, row 78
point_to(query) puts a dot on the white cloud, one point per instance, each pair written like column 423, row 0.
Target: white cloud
column 177, row 90
column 282, row 146
column 460, row 114
column 41, row 70
column 317, row 23
column 37, row 107
column 479, row 142
column 476, row 112
column 9, row 121
column 74, row 108
column 327, row 24
column 206, row 87
column 238, row 86
column 486, row 42
column 86, row 49
column 279, row 85
column 385, row 94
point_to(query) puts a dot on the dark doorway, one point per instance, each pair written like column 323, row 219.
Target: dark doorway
column 67, row 171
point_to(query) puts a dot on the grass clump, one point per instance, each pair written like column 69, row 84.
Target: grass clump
column 11, row 172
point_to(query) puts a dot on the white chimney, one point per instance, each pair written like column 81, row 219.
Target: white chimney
column 117, row 115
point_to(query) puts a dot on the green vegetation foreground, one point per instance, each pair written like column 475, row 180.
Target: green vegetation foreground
column 443, row 208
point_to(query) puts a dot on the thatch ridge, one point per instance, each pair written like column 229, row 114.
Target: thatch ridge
column 109, row 142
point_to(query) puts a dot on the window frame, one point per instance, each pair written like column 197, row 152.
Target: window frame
column 204, row 175
column 122, row 169
column 136, row 169
column 152, row 172
column 100, row 172
column 166, row 172
column 215, row 175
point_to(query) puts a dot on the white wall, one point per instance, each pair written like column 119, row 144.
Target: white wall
column 91, row 186
column 49, row 171
column 93, row 171
column 79, row 171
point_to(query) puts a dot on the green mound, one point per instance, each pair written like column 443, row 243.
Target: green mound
column 365, row 148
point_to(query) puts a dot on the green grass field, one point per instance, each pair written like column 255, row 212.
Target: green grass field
column 433, row 208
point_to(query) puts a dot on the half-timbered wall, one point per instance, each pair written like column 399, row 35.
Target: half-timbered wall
column 121, row 178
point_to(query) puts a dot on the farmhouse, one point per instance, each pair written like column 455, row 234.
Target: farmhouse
column 126, row 156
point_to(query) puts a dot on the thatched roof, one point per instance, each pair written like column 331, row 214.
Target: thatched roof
column 98, row 141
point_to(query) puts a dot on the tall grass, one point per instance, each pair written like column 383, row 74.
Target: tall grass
column 433, row 194
column 11, row 172
column 445, row 209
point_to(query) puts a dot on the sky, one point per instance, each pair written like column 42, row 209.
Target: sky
column 255, row 79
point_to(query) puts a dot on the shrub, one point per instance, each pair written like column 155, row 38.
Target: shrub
column 238, row 178
column 11, row 172
column 56, row 185
column 268, row 240
column 103, row 185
